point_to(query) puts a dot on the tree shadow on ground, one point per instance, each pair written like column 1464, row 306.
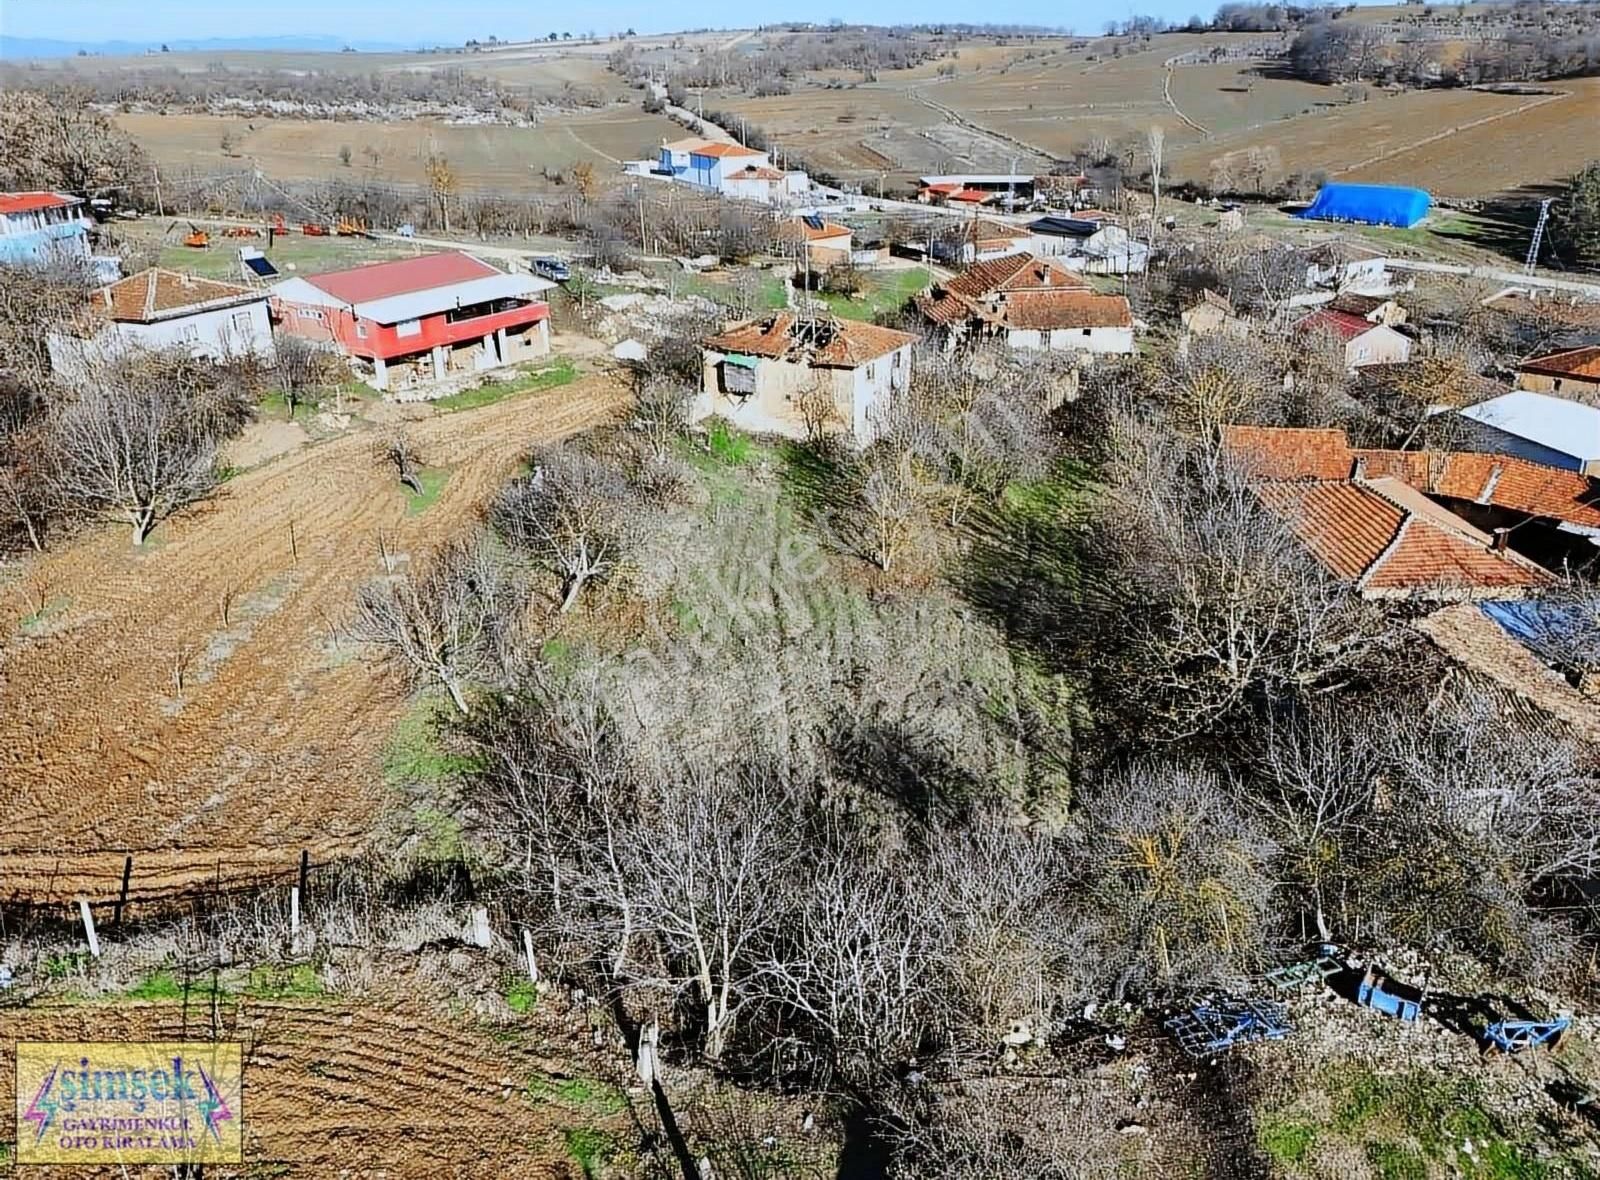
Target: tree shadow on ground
column 904, row 767
column 1024, row 562
column 1504, row 224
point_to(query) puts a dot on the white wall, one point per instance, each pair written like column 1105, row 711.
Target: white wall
column 222, row 334
column 1101, row 340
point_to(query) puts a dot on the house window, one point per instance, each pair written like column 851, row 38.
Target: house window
column 1087, row 331
column 870, row 373
column 737, row 379
column 408, row 328
column 307, row 313
column 361, row 330
column 241, row 323
column 189, row 334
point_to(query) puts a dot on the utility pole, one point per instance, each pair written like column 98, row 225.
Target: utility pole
column 155, row 171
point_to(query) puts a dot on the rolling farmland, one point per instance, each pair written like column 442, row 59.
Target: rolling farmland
column 489, row 156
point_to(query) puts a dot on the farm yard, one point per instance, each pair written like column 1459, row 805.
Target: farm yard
column 225, row 626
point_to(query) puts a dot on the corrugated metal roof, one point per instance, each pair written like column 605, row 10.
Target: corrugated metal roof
column 416, row 304
column 380, row 280
column 31, row 201
column 1563, row 426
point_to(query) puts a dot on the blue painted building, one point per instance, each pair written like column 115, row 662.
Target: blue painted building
column 40, row 228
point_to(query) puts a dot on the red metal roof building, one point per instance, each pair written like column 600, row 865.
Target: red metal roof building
column 420, row 319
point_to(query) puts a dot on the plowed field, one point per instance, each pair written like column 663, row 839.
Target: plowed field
column 272, row 744
column 335, row 1088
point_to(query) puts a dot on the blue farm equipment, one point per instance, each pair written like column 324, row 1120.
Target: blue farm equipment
column 1508, row 1036
column 1379, row 992
column 1224, row 1023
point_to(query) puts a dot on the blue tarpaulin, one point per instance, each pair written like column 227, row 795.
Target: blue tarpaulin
column 1550, row 630
column 1373, row 204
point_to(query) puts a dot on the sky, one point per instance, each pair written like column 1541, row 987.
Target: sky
column 451, row 24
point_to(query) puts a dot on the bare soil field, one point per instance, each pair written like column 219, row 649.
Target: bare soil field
column 1455, row 143
column 381, row 1086
column 272, row 743
column 1032, row 102
column 483, row 157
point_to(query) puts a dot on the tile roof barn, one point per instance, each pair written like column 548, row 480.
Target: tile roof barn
column 836, row 343
column 158, row 293
column 1501, row 481
column 1389, row 541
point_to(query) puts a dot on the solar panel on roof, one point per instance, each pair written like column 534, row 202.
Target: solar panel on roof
column 262, row 267
column 813, row 220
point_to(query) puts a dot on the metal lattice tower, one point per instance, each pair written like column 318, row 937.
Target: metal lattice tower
column 1538, row 237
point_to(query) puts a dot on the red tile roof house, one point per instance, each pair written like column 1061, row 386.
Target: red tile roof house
column 1574, row 373
column 419, row 320
column 1365, row 343
column 165, row 309
column 1367, row 517
column 772, row 375
column 1029, row 302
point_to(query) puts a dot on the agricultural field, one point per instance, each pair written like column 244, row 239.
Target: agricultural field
column 189, row 702
column 1456, row 143
column 488, row 157
column 1033, row 102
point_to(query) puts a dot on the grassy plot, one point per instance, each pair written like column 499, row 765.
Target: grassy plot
column 883, row 292
column 1407, row 1126
column 551, row 376
column 414, row 753
column 432, row 480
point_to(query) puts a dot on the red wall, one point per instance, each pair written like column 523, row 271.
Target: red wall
column 341, row 324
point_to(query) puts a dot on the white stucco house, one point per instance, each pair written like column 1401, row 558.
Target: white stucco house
column 782, row 373
column 730, row 169
column 160, row 309
column 1364, row 343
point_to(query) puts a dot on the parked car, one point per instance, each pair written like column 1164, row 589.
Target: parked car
column 551, row 268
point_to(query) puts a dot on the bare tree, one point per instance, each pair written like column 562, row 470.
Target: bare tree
column 1182, row 898
column 661, row 413
column 139, row 439
column 1155, row 149
column 454, row 623
column 575, row 514
column 303, row 370
column 397, row 450
column 1207, row 598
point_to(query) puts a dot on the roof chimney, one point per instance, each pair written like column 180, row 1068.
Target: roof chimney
column 1358, row 470
column 1500, row 536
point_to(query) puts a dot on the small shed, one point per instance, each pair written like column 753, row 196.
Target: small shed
column 1370, row 204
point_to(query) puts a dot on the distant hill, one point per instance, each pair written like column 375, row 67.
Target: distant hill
column 17, row 48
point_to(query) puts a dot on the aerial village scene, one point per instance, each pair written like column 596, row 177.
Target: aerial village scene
column 864, row 596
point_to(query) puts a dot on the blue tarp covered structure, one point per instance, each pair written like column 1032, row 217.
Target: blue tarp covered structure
column 1373, row 204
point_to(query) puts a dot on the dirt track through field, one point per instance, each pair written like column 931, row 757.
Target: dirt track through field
column 273, row 745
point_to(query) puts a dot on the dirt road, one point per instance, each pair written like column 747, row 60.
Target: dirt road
column 272, row 743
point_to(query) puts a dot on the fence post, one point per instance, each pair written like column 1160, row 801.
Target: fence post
column 88, row 926
column 305, row 874
column 294, row 919
column 527, row 950
column 122, row 897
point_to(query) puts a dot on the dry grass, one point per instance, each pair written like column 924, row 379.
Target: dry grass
column 483, row 157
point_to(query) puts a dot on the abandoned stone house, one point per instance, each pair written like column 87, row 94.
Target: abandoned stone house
column 794, row 374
